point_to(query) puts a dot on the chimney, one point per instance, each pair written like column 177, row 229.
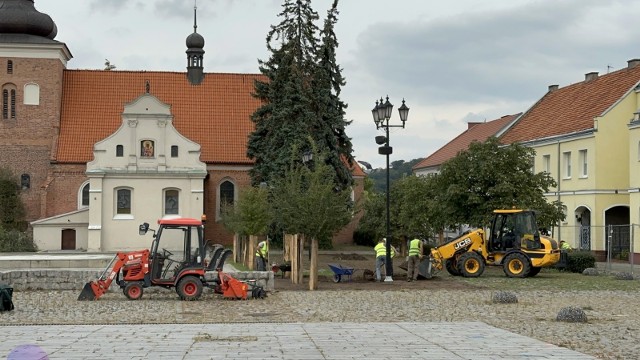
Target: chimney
column 472, row 124
column 553, row 88
column 633, row 63
column 590, row 76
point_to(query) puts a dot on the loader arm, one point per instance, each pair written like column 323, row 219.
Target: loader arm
column 472, row 241
column 93, row 290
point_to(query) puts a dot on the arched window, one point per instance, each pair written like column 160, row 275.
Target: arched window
column 226, row 195
column 119, row 151
column 171, row 202
column 32, row 94
column 123, row 201
column 84, row 196
column 9, row 101
column 10, row 67
column 174, row 151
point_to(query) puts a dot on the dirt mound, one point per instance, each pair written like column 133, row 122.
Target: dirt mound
column 354, row 256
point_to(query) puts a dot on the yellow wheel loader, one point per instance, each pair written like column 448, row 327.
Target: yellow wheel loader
column 513, row 242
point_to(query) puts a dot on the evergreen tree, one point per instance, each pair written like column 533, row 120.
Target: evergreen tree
column 300, row 97
column 330, row 132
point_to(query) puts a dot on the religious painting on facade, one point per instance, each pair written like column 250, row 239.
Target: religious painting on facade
column 147, row 148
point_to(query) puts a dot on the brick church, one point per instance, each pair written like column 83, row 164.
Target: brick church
column 97, row 152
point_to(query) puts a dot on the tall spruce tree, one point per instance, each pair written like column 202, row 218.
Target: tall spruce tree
column 328, row 82
column 300, row 97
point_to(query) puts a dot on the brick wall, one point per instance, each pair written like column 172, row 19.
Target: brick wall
column 62, row 189
column 27, row 140
column 214, row 230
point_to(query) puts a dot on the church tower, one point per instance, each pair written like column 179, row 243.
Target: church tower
column 195, row 53
column 32, row 65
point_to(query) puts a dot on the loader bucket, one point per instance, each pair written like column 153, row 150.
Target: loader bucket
column 87, row 293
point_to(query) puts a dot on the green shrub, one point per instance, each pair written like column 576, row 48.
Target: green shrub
column 16, row 241
column 580, row 260
column 364, row 238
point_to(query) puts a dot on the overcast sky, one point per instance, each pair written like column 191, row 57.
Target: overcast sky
column 453, row 61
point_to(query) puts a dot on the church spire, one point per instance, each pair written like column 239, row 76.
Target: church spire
column 195, row 53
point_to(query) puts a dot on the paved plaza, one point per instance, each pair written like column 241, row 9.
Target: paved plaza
column 404, row 340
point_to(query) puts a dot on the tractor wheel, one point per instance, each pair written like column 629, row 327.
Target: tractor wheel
column 471, row 264
column 452, row 267
column 189, row 288
column 133, row 290
column 534, row 271
column 516, row 265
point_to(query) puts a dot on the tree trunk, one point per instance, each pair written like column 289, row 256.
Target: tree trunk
column 300, row 255
column 313, row 269
column 245, row 250
column 286, row 248
column 292, row 240
column 253, row 242
column 237, row 248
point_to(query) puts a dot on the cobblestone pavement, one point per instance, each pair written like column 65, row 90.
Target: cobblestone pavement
column 359, row 318
column 460, row 340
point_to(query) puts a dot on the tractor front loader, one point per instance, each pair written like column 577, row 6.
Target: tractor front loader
column 183, row 271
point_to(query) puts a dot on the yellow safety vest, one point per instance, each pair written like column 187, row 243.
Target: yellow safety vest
column 414, row 247
column 381, row 249
column 263, row 251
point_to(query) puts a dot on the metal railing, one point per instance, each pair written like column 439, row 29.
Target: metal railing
column 615, row 241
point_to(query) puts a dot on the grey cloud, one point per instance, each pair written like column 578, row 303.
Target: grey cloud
column 509, row 54
column 113, row 6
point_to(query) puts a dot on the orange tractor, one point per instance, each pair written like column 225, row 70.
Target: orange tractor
column 185, row 270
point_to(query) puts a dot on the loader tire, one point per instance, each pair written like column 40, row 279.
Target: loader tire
column 516, row 265
column 471, row 265
column 534, row 271
column 133, row 291
column 189, row 288
column 452, row 267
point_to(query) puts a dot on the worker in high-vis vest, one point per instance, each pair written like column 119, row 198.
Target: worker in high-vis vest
column 262, row 255
column 415, row 255
column 381, row 256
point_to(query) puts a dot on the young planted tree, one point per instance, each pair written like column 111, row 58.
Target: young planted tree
column 417, row 212
column 251, row 216
column 306, row 201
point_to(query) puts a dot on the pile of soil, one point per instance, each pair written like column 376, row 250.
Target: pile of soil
column 364, row 266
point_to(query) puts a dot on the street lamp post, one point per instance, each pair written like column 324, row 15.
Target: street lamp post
column 381, row 115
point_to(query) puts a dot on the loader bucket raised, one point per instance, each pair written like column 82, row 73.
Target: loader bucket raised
column 87, row 293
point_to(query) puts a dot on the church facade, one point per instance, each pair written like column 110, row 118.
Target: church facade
column 100, row 151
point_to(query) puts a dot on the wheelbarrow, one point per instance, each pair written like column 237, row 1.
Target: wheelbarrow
column 340, row 270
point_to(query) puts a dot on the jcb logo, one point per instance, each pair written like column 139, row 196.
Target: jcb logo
column 462, row 244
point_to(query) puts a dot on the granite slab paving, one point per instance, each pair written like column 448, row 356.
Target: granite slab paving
column 401, row 340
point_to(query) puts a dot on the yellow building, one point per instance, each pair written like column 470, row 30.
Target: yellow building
column 587, row 136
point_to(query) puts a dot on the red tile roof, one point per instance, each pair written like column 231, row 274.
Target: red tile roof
column 216, row 114
column 475, row 132
column 572, row 108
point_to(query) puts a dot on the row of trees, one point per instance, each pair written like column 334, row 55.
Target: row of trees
column 302, row 200
column 485, row 177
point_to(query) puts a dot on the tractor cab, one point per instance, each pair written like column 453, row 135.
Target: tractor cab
column 514, row 229
column 175, row 249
